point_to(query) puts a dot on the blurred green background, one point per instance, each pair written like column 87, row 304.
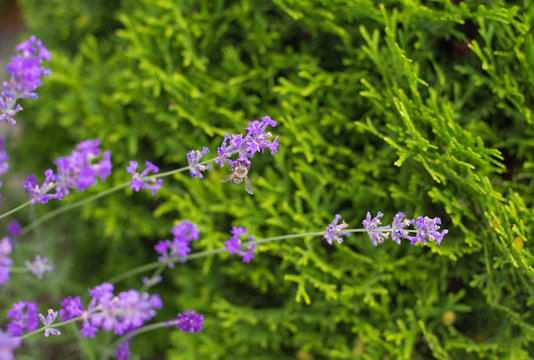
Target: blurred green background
column 423, row 107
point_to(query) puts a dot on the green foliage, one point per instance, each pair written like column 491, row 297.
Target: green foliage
column 417, row 106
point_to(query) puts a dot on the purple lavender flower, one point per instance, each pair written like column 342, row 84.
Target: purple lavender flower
column 122, row 313
column 8, row 344
column 4, row 166
column 151, row 282
column 39, row 266
column 427, row 228
column 138, row 180
column 50, row 318
column 25, row 72
column 22, row 319
column 234, row 246
column 398, row 226
column 333, row 231
column 193, row 158
column 14, row 228
column 246, row 147
column 189, row 321
column 5, row 262
column 372, row 225
column 79, row 170
column 72, row 307
column 123, row 351
column 184, row 233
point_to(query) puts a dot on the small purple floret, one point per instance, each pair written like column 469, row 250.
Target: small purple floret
column 5, row 262
column 49, row 320
column 333, row 231
column 139, row 180
column 22, row 319
column 14, row 228
column 372, row 226
column 123, row 351
column 427, row 228
column 193, row 158
column 234, row 245
column 39, row 266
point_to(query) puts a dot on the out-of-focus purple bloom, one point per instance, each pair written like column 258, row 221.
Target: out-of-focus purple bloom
column 22, row 319
column 5, row 262
column 193, row 158
column 3, row 160
column 122, row 313
column 234, row 246
column 14, row 228
column 25, row 73
column 184, row 233
column 397, row 227
column 8, row 344
column 427, row 228
column 189, row 321
column 123, row 351
column 246, row 147
column 39, row 266
column 79, row 170
column 151, row 282
column 49, row 320
column 72, row 307
column 139, row 180
column 333, row 231
column 372, row 226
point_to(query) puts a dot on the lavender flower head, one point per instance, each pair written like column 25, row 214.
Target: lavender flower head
column 71, row 308
column 256, row 140
column 22, row 319
column 14, row 228
column 234, row 244
column 136, row 183
column 123, row 351
column 189, row 321
column 427, row 228
column 5, row 262
column 193, row 158
column 125, row 312
column 333, row 231
column 25, row 71
column 372, row 225
column 8, row 344
column 184, row 233
column 39, row 266
column 50, row 318
column 398, row 226
column 79, row 170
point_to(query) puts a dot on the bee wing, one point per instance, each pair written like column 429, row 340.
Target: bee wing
column 248, row 186
column 226, row 178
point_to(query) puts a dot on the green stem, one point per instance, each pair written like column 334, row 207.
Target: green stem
column 12, row 211
column 18, row 269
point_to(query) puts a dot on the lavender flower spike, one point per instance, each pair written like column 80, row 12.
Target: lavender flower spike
column 333, row 231
column 193, row 158
column 50, row 318
column 5, row 262
column 427, row 228
column 398, row 226
column 39, row 266
column 246, row 147
column 136, row 183
column 25, row 72
column 234, row 244
column 189, row 321
column 372, row 225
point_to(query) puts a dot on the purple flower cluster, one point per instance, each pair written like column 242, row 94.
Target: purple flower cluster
column 122, row 313
column 189, row 321
column 247, row 146
column 193, row 158
column 25, row 71
column 39, row 266
column 234, row 244
column 138, row 180
column 14, row 228
column 22, row 319
column 79, row 170
column 49, row 320
column 123, row 351
column 5, row 262
column 333, row 231
column 426, row 228
column 184, row 233
column 8, row 344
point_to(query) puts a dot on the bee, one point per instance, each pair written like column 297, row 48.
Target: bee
column 238, row 174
